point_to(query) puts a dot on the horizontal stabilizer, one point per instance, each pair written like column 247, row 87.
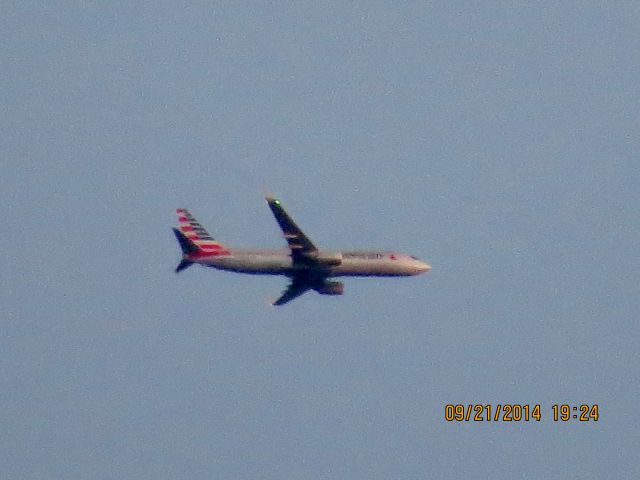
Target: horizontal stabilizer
column 182, row 265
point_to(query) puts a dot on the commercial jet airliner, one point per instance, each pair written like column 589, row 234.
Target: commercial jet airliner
column 308, row 267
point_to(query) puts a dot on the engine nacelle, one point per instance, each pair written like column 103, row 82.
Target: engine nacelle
column 327, row 259
column 331, row 288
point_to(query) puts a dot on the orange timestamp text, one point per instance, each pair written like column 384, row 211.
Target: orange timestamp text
column 518, row 412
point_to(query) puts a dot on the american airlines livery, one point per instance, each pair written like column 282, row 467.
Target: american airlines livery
column 308, row 267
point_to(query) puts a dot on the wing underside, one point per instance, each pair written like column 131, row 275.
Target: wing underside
column 293, row 291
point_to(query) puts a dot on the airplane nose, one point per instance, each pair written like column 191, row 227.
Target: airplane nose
column 423, row 267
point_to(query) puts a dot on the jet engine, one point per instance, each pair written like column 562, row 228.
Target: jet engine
column 331, row 288
column 327, row 259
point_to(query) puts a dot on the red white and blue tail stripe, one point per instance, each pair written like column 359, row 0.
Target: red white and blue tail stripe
column 195, row 232
column 194, row 240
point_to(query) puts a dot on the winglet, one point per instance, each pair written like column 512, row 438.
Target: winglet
column 266, row 193
column 271, row 199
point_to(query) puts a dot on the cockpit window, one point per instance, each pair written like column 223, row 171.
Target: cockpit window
column 415, row 258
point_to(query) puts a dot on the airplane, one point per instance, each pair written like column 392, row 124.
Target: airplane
column 308, row 267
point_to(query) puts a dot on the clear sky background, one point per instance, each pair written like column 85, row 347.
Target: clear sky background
column 497, row 141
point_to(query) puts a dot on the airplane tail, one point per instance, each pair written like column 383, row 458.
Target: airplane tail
column 194, row 240
column 188, row 248
column 182, row 265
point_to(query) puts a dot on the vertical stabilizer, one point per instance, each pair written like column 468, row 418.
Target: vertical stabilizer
column 196, row 233
column 195, row 241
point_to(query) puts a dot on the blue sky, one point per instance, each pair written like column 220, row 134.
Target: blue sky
column 497, row 141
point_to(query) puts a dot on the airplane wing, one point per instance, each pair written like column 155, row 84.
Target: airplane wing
column 297, row 240
column 294, row 290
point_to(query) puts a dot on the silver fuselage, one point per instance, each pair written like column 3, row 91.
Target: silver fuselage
column 352, row 263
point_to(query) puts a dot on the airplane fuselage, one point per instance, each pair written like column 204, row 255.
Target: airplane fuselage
column 340, row 264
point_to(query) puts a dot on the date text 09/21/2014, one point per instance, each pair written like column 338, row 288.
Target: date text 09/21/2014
column 519, row 412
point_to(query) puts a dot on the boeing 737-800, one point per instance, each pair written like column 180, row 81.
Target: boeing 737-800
column 308, row 267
